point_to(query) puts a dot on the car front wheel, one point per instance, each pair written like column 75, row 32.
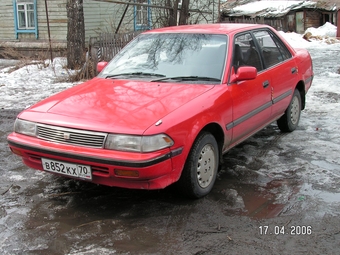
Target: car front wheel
column 200, row 170
column 290, row 120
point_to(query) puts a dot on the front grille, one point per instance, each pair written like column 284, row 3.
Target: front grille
column 71, row 136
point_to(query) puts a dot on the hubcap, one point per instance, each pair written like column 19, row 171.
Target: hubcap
column 295, row 111
column 206, row 166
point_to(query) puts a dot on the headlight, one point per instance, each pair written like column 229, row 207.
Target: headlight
column 25, row 127
column 138, row 143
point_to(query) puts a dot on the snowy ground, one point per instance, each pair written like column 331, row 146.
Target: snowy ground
column 272, row 179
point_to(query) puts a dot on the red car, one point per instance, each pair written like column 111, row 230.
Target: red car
column 167, row 107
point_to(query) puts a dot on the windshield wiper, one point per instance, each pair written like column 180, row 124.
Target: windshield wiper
column 135, row 73
column 188, row 78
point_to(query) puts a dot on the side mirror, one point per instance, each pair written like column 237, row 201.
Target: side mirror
column 244, row 73
column 100, row 66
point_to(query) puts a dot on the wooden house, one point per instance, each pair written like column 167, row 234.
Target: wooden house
column 31, row 26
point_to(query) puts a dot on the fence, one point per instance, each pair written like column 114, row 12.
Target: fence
column 106, row 45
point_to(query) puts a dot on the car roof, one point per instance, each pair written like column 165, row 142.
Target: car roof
column 221, row 28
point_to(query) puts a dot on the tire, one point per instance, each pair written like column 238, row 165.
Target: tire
column 200, row 170
column 290, row 120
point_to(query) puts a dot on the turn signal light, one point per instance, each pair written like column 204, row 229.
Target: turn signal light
column 17, row 152
column 126, row 173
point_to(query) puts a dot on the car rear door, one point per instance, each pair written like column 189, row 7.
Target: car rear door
column 281, row 68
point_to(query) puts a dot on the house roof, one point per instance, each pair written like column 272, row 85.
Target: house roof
column 270, row 9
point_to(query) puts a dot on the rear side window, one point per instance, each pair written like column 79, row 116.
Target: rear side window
column 273, row 50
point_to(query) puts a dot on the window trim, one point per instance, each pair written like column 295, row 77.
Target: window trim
column 16, row 17
column 137, row 26
column 276, row 41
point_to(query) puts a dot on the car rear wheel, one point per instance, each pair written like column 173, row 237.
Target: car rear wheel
column 200, row 170
column 290, row 120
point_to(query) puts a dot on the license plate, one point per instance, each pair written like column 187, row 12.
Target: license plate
column 69, row 169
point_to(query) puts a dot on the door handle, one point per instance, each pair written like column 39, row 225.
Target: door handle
column 293, row 70
column 265, row 84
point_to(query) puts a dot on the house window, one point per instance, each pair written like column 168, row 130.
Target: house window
column 25, row 17
column 142, row 17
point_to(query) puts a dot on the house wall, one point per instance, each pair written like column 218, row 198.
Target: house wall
column 102, row 17
column 197, row 17
column 7, row 20
column 99, row 17
column 37, row 46
column 313, row 19
column 57, row 21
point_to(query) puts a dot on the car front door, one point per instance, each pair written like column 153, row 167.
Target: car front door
column 251, row 98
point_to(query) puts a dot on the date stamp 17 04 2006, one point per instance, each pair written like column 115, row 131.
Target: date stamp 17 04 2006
column 284, row 230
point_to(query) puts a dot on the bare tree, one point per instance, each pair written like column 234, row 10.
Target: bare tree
column 172, row 13
column 184, row 13
column 75, row 34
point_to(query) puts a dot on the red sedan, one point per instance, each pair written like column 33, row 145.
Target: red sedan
column 167, row 107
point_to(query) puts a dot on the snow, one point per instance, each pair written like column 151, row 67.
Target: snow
column 270, row 8
column 275, row 6
column 21, row 88
column 327, row 29
column 321, row 37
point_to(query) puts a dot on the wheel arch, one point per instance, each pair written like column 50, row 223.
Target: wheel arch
column 217, row 131
column 301, row 88
column 188, row 183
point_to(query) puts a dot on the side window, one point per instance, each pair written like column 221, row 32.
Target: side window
column 246, row 52
column 25, row 17
column 273, row 50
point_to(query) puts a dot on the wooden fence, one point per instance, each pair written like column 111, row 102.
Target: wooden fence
column 106, row 45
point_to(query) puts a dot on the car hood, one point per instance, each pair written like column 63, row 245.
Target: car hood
column 118, row 106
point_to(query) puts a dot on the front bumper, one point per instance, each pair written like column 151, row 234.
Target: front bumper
column 155, row 170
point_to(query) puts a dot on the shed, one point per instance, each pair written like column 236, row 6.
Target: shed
column 293, row 16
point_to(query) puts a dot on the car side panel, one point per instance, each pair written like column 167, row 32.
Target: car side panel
column 304, row 62
column 211, row 108
column 284, row 78
column 252, row 106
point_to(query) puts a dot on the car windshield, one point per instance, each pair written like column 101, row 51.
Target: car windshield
column 173, row 56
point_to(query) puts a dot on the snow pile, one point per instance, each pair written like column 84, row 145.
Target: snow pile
column 275, row 7
column 327, row 29
column 313, row 37
column 325, row 33
column 296, row 40
column 39, row 78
